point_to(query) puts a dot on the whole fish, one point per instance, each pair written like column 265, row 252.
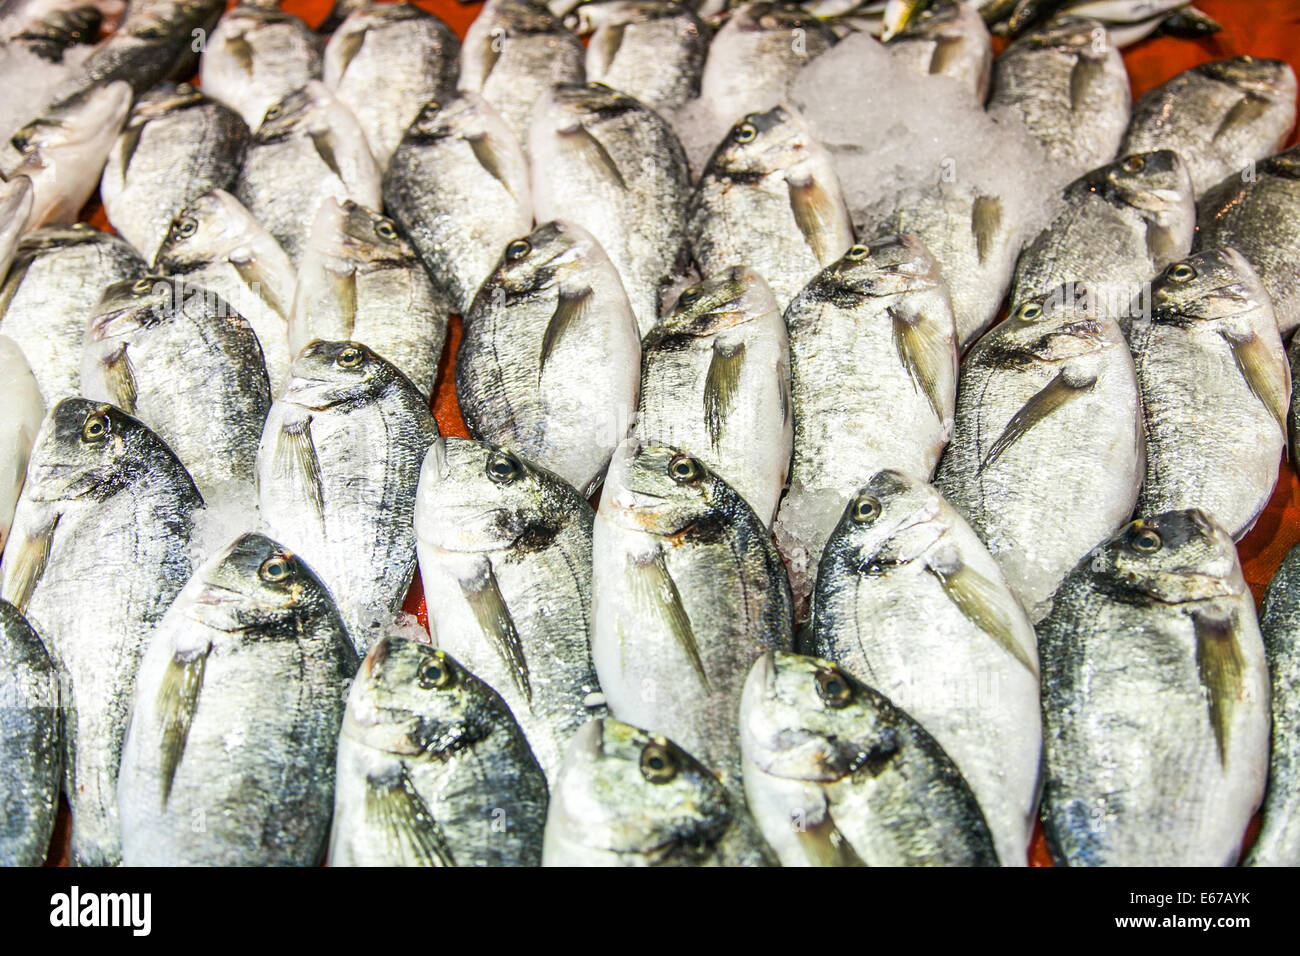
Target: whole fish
column 1215, row 386
column 715, row 382
column 385, row 63
column 432, row 768
column 837, row 775
column 215, row 243
column 653, row 50
column 458, row 186
column 1278, row 843
column 1121, row 224
column 107, row 510
column 256, row 57
column 24, row 412
column 15, row 209
column 606, row 163
column 1046, row 457
column 549, row 360
column 908, row 597
column 1258, row 214
column 515, row 51
column 337, row 471
column 189, row 366
column 30, row 745
column 229, row 760
column 1219, row 116
column 770, row 199
column 51, row 294
column 948, row 38
column 1067, row 85
column 873, row 373
column 505, row 560
column 1155, row 700
column 309, row 149
column 360, row 280
column 626, row 797
column 178, row 144
column 687, row 590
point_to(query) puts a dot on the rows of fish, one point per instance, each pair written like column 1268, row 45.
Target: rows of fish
column 870, row 578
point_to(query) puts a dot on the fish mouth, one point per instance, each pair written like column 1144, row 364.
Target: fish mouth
column 473, row 522
column 313, row 394
column 589, row 740
column 382, row 729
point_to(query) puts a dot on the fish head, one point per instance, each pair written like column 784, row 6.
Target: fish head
column 767, row 17
column 893, row 519
column 206, row 229
column 885, row 266
column 294, row 112
column 1054, row 327
column 664, row 492
column 131, row 305
column 762, row 143
column 163, row 100
column 1149, row 182
column 1072, row 37
column 721, row 301
column 1174, row 558
column 83, row 121
column 160, row 22
column 1213, row 285
column 349, row 231
column 1272, row 79
column 520, row 17
column 332, row 374
column 551, row 252
column 459, row 117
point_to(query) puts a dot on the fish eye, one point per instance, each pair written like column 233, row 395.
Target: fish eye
column 833, row 688
column 866, row 509
column 1181, row 272
column 276, row 569
column 1029, row 312
column 745, row 133
column 1145, row 541
column 142, row 286
column 690, row 296
column 1134, row 164
column 518, row 249
column 683, row 468
column 435, row 672
column 271, row 114
column 857, row 253
column 95, row 428
column 658, row 765
column 185, row 228
column 385, row 230
column 503, row 468
column 351, row 357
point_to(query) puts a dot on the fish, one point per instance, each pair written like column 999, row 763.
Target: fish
column 229, row 758
column 308, row 149
column 189, row 366
column 256, row 57
column 909, row 598
column 549, row 359
column 652, row 50
column 156, row 40
column 947, row 38
column 15, row 209
column 1155, row 700
column 628, row 797
column 359, row 279
column 337, row 470
column 385, row 63
column 1066, row 85
column 606, row 163
column 458, row 185
column 51, row 294
column 837, row 775
column 505, row 563
column 1219, row 116
column 1120, row 225
column 178, row 145
column 769, row 199
column 107, row 510
column 715, row 382
column 1215, row 386
column 24, row 412
column 432, row 768
column 1257, row 212
column 61, row 23
column 513, row 53
column 687, row 590
column 30, row 742
column 873, row 373
column 35, row 69
column 1278, row 843
column 1047, row 453
column 216, row 243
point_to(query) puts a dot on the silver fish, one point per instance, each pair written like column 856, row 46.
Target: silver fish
column 359, row 279
column 909, row 598
column 458, row 185
column 1046, row 457
column 948, row 38
column 687, row 590
column 24, row 412
column 715, row 382
column 432, row 768
column 15, row 210
column 770, row 200
column 337, row 471
column 384, row 63
column 626, row 797
column 189, row 366
column 873, row 371
column 838, row 776
column 107, row 510
column 31, row 767
column 60, row 22
column 229, row 759
column 216, row 243
column 1155, row 701
column 51, row 294
column 1215, row 388
column 308, row 150
column 178, row 144
column 1219, row 116
column 549, row 361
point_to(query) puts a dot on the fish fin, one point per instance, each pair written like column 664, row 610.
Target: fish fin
column 1162, row 247
column 814, row 210
column 343, row 285
column 1244, row 112
column 250, row 272
column 350, row 46
column 593, row 151
column 570, row 308
column 1265, row 378
column 242, row 51
column 491, row 54
column 606, row 45
column 295, row 458
column 947, row 51
column 178, row 698
column 1086, row 74
column 652, row 586
column 490, row 156
column 924, row 351
column 25, row 561
column 1221, row 667
column 325, row 150
column 985, row 224
column 493, row 617
column 783, row 388
column 983, row 604
column 130, row 140
column 119, row 374
column 395, row 809
column 823, row 844
column 720, row 386
column 17, row 273
column 1052, row 396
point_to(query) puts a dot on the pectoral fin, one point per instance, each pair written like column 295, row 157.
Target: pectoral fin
column 343, row 286
column 653, row 591
column 1265, row 374
column 1085, row 76
column 984, row 604
column 130, row 143
column 178, row 698
column 924, row 351
column 1051, row 397
column 816, row 213
column 720, row 385
column 491, row 156
column 571, row 308
column 396, row 811
column 119, row 376
column 242, row 51
column 1244, row 113
column 1220, row 666
column 295, row 459
column 498, row 627
column 25, row 559
column 947, row 52
column 606, row 44
column 250, row 272
column 350, row 45
column 592, row 151
column 985, row 225
column 324, row 144
column 822, row 843
column 1162, row 247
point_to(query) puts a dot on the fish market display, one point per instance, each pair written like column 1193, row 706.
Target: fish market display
column 24, row 412
column 949, row 38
